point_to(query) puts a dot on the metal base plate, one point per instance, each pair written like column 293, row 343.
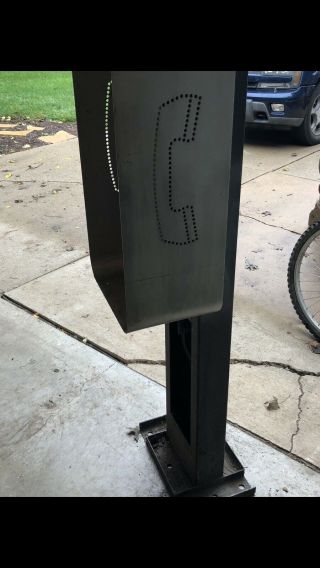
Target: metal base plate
column 231, row 484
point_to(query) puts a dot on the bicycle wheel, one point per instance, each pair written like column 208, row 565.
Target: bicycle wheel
column 304, row 278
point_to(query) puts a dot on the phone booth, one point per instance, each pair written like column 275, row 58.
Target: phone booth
column 161, row 157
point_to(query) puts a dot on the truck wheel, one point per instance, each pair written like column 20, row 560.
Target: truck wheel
column 308, row 133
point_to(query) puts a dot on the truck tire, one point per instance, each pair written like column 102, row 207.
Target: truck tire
column 308, row 133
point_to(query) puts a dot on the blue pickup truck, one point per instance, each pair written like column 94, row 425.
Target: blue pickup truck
column 285, row 99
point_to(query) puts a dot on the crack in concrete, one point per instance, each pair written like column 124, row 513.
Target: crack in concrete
column 296, row 432
column 93, row 345
column 284, row 366
column 269, row 224
column 275, row 446
column 162, row 362
column 8, row 232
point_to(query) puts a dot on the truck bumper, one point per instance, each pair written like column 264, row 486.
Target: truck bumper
column 257, row 112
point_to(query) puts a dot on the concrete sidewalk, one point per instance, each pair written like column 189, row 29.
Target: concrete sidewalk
column 45, row 267
column 69, row 416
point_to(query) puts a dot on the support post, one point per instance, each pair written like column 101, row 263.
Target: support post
column 188, row 444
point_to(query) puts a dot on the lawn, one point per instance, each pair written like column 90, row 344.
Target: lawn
column 37, row 94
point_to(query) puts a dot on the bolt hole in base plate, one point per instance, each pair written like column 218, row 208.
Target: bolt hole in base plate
column 231, row 484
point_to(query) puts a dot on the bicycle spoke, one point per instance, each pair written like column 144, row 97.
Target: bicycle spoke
column 306, row 277
column 309, row 306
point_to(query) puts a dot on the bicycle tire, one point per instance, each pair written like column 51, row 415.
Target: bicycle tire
column 292, row 278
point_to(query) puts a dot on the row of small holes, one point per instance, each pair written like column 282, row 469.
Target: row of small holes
column 170, row 167
column 187, row 120
column 175, row 209
column 184, row 139
column 154, row 174
column 196, row 119
column 179, row 209
column 107, row 137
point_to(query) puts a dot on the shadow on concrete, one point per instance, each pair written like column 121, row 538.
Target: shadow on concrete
column 270, row 137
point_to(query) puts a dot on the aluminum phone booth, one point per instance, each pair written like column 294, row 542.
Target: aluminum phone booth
column 161, row 157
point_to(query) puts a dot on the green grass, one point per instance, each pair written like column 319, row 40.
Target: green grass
column 37, row 94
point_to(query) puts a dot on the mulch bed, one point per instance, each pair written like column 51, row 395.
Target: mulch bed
column 9, row 144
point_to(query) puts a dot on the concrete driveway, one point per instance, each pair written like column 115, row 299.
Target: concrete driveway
column 46, row 269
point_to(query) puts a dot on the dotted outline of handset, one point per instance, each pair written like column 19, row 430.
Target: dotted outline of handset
column 179, row 139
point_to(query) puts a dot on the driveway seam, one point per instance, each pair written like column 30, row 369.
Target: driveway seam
column 145, row 362
column 162, row 362
column 45, row 274
column 256, row 177
column 269, row 224
column 34, row 181
column 282, row 166
column 297, row 176
column 299, row 159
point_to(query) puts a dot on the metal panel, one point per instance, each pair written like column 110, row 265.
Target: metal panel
column 171, row 164
column 101, row 201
